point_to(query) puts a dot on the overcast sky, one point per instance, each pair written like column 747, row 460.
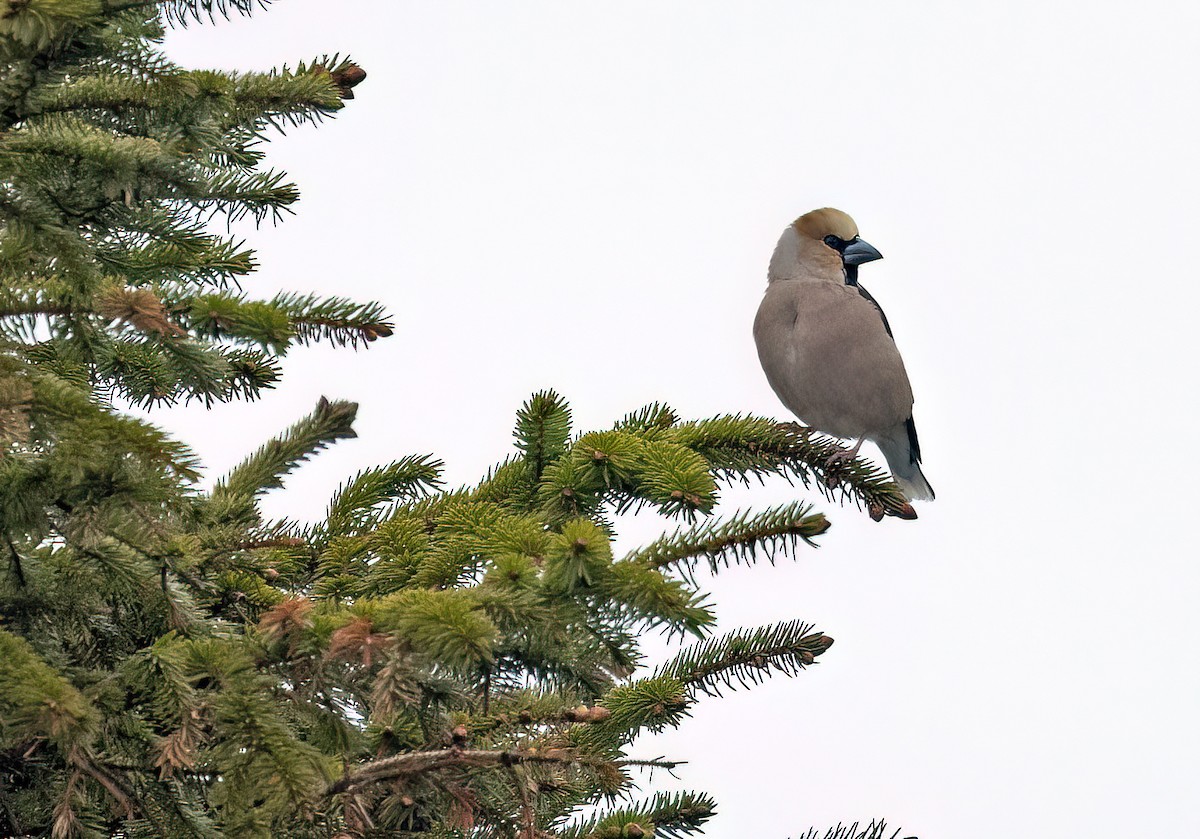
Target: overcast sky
column 585, row 196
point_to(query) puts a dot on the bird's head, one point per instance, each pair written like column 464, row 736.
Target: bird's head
column 823, row 243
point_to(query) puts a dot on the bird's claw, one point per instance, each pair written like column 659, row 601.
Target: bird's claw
column 839, row 457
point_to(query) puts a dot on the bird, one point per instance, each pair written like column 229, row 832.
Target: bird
column 827, row 348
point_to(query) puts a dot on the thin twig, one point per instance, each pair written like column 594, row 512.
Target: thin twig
column 413, row 763
column 16, row 562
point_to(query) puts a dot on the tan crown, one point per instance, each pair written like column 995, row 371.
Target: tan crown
column 826, row 222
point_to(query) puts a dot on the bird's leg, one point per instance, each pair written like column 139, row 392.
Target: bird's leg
column 843, row 455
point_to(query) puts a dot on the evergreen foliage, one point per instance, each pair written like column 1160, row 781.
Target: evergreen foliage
column 425, row 661
column 872, row 830
column 112, row 160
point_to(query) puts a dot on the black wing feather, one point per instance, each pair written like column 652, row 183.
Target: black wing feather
column 914, row 447
column 866, row 295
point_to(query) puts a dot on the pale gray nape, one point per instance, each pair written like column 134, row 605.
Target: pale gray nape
column 785, row 261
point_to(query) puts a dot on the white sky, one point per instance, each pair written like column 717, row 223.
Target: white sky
column 585, row 196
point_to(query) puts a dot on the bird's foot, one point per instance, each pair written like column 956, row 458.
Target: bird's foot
column 842, row 456
column 838, row 458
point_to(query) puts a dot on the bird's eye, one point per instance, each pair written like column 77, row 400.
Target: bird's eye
column 834, row 242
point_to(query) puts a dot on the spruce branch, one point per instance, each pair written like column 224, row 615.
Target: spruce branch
column 666, row 815
column 107, row 92
column 328, row 423
column 872, row 830
column 746, row 656
column 282, row 99
column 739, row 447
column 226, row 317
column 183, row 257
column 36, row 701
column 416, row 763
column 17, row 303
column 169, row 809
column 535, row 710
column 37, row 25
column 66, row 821
column 53, row 151
column 279, row 772
column 340, row 321
column 56, row 399
column 653, row 703
column 182, row 11
column 113, row 781
column 343, row 73
column 250, row 372
column 737, row 539
column 16, row 564
column 149, row 370
column 628, row 469
column 675, row 479
column 447, row 627
column 651, row 418
column 543, row 428
column 357, row 502
column 260, row 195
column 655, row 599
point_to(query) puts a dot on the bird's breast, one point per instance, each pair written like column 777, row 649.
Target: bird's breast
column 827, row 356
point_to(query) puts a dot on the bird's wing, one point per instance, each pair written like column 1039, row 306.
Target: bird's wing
column 866, row 295
column 910, row 427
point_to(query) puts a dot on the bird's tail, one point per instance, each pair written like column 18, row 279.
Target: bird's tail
column 903, row 455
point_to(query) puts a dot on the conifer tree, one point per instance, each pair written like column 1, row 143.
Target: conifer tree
column 424, row 661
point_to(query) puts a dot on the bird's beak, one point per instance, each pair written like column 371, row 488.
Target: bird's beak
column 857, row 252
